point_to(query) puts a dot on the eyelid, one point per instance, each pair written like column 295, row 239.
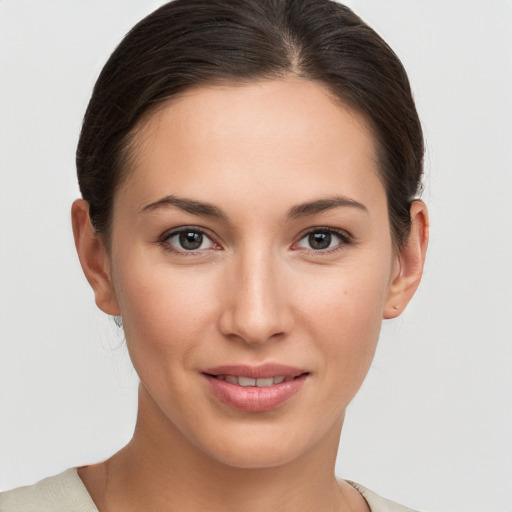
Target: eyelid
column 163, row 240
column 345, row 239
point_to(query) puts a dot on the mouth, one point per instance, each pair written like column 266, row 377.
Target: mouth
column 252, row 382
column 255, row 389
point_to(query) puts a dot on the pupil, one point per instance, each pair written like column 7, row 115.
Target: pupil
column 190, row 240
column 320, row 240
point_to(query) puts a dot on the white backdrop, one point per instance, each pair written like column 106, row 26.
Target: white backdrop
column 432, row 425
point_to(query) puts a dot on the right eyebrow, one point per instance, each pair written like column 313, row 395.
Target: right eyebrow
column 188, row 205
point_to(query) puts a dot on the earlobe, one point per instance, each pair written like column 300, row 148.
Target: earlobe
column 93, row 258
column 411, row 261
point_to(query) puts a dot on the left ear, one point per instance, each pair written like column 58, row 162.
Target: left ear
column 410, row 262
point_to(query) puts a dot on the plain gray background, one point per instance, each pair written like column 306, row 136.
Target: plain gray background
column 432, row 425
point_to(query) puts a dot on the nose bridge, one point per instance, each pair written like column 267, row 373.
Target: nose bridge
column 256, row 308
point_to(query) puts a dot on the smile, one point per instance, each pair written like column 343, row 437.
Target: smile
column 248, row 381
column 255, row 389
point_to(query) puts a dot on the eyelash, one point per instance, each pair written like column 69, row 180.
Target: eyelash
column 164, row 240
column 344, row 240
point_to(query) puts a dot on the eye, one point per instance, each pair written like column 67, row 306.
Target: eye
column 322, row 239
column 188, row 240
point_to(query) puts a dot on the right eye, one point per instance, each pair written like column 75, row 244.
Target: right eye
column 188, row 240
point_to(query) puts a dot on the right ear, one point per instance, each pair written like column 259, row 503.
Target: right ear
column 93, row 258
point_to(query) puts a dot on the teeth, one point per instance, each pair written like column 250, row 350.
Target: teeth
column 247, row 381
column 263, row 383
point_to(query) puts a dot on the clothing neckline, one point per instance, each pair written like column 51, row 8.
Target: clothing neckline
column 366, row 494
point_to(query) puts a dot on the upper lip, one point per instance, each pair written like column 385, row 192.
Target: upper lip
column 263, row 371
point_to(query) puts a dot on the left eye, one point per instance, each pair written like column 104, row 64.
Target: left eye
column 321, row 240
column 189, row 240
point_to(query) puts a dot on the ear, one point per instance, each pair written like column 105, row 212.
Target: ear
column 410, row 262
column 93, row 257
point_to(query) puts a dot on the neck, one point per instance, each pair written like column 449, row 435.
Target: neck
column 160, row 469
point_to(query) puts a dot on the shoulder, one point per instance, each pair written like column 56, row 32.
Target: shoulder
column 60, row 493
column 378, row 503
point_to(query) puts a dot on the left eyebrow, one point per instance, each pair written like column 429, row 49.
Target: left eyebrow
column 320, row 205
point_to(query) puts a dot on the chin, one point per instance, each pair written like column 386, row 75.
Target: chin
column 255, row 457
column 266, row 446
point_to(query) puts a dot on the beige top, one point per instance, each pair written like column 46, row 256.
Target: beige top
column 66, row 493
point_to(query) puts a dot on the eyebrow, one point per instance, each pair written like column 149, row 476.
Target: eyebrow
column 313, row 207
column 188, row 205
column 209, row 210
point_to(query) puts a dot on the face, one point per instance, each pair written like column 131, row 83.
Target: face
column 251, row 260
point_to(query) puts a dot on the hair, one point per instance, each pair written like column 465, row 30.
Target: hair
column 187, row 43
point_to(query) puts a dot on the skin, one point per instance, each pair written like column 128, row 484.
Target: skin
column 255, row 292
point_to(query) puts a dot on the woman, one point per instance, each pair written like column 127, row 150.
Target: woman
column 249, row 173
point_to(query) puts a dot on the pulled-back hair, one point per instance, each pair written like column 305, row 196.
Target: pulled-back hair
column 188, row 43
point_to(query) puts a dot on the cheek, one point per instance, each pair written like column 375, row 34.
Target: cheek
column 344, row 316
column 352, row 296
column 164, row 310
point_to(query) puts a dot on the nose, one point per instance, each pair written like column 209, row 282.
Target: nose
column 255, row 302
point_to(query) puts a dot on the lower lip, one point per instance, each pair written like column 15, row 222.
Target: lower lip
column 253, row 398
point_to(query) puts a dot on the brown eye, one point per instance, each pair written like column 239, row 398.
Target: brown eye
column 319, row 241
column 187, row 239
column 190, row 240
column 323, row 240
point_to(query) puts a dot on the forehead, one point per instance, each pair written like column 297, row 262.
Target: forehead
column 263, row 136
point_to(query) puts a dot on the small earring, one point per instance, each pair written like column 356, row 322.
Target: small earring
column 118, row 321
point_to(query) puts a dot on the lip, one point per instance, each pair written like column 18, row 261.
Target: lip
column 253, row 398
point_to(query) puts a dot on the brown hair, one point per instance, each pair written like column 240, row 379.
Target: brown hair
column 187, row 43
